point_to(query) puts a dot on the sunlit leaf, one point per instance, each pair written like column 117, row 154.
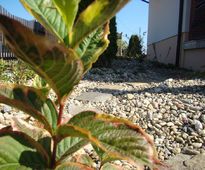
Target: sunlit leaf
column 97, row 14
column 59, row 66
column 93, row 46
column 68, row 10
column 19, row 151
column 68, row 146
column 47, row 14
column 31, row 102
column 120, row 139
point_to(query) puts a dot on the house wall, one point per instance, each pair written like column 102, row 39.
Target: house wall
column 162, row 35
column 163, row 20
column 162, row 30
column 163, row 51
column 194, row 59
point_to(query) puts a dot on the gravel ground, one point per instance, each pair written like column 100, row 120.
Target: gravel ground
column 168, row 103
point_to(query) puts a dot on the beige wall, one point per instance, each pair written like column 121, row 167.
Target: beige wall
column 163, row 51
column 194, row 59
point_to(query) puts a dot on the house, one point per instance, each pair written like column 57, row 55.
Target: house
column 176, row 33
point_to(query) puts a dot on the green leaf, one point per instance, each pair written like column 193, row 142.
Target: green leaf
column 97, row 14
column 93, row 46
column 109, row 166
column 19, row 151
column 59, row 66
column 68, row 10
column 47, row 14
column 31, row 102
column 40, row 83
column 73, row 166
column 120, row 139
column 33, row 131
column 68, row 146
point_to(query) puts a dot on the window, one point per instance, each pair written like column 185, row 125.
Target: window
column 197, row 22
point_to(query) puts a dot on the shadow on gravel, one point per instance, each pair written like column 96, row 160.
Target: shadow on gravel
column 196, row 89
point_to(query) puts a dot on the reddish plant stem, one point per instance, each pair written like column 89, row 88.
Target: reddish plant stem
column 60, row 115
column 53, row 158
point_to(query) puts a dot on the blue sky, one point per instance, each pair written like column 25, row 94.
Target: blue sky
column 132, row 19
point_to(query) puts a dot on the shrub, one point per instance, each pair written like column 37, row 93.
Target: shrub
column 15, row 71
column 134, row 47
column 61, row 65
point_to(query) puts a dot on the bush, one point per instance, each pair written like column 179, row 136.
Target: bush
column 135, row 47
column 15, row 71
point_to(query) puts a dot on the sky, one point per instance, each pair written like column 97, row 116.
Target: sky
column 132, row 19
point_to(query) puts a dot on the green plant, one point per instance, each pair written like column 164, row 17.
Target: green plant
column 135, row 47
column 15, row 71
column 61, row 65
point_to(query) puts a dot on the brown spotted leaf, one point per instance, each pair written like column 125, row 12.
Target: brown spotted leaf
column 59, row 66
column 32, row 102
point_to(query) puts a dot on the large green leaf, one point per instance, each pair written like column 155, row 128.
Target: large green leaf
column 59, row 66
column 68, row 10
column 93, row 46
column 73, row 166
column 119, row 138
column 97, row 14
column 19, row 151
column 68, row 146
column 30, row 101
column 47, row 14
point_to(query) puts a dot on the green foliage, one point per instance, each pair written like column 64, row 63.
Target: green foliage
column 49, row 143
column 134, row 47
column 106, row 58
column 15, row 72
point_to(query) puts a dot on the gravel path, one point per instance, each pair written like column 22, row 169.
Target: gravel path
column 168, row 103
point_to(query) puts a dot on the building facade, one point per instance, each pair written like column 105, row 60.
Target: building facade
column 176, row 33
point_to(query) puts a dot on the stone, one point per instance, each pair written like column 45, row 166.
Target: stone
column 190, row 151
column 179, row 139
column 197, row 145
column 6, row 108
column 169, row 124
column 94, row 97
column 1, row 118
column 147, row 94
column 177, row 150
column 198, row 125
column 130, row 96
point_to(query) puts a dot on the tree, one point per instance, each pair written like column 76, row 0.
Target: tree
column 106, row 58
column 135, row 47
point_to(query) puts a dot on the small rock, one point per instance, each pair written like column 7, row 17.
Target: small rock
column 169, row 124
column 6, row 109
column 147, row 94
column 190, row 151
column 130, row 96
column 198, row 125
column 197, row 145
column 179, row 139
column 177, row 150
